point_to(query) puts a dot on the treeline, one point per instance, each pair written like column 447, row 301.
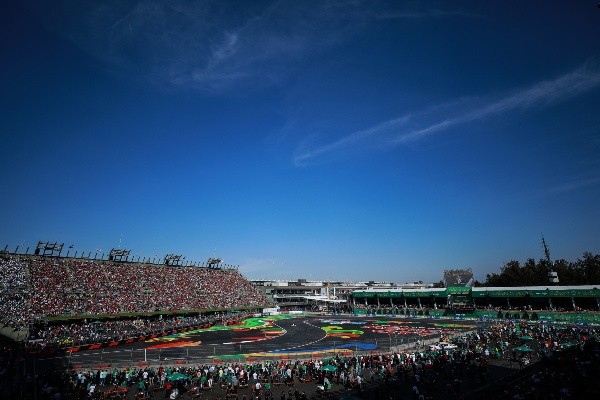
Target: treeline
column 584, row 271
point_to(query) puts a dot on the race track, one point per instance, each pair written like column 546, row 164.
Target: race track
column 282, row 336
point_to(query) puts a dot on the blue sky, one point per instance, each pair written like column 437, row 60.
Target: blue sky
column 354, row 140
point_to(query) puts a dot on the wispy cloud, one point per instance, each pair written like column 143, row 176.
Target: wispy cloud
column 422, row 125
column 351, row 140
column 425, row 14
column 573, row 185
column 200, row 44
column 211, row 46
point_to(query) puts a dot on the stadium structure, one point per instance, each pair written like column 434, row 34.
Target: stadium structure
column 51, row 291
column 312, row 295
column 558, row 303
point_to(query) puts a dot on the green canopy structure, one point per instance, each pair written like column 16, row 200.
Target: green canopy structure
column 523, row 349
column 566, row 345
column 526, row 337
column 177, row 376
column 329, row 368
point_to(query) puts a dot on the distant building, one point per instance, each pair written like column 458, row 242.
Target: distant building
column 315, row 295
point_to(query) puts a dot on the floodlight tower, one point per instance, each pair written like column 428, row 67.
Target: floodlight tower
column 119, row 255
column 173, row 259
column 214, row 262
column 49, row 249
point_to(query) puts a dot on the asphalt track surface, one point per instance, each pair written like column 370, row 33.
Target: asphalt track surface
column 268, row 338
column 280, row 337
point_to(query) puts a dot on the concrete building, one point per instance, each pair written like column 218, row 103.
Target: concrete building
column 308, row 295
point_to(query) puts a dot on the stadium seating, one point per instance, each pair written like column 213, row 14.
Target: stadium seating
column 34, row 288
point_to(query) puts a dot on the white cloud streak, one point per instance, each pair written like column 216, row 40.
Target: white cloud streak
column 207, row 45
column 429, row 14
column 395, row 131
column 201, row 44
column 352, row 140
column 574, row 185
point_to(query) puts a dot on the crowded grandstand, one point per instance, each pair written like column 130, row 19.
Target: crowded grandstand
column 52, row 300
column 574, row 303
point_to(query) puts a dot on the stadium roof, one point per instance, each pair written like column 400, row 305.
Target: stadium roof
column 533, row 291
column 538, row 291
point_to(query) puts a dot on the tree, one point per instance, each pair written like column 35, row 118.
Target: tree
column 584, row 271
column 589, row 268
column 534, row 273
column 568, row 273
column 510, row 275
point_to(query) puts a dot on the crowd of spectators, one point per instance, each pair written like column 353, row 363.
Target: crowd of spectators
column 14, row 293
column 89, row 331
column 80, row 287
column 409, row 310
column 540, row 335
column 565, row 358
column 568, row 359
column 33, row 288
column 517, row 343
column 420, row 373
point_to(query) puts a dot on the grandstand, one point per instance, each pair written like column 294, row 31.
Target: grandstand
column 62, row 300
column 44, row 293
column 568, row 303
